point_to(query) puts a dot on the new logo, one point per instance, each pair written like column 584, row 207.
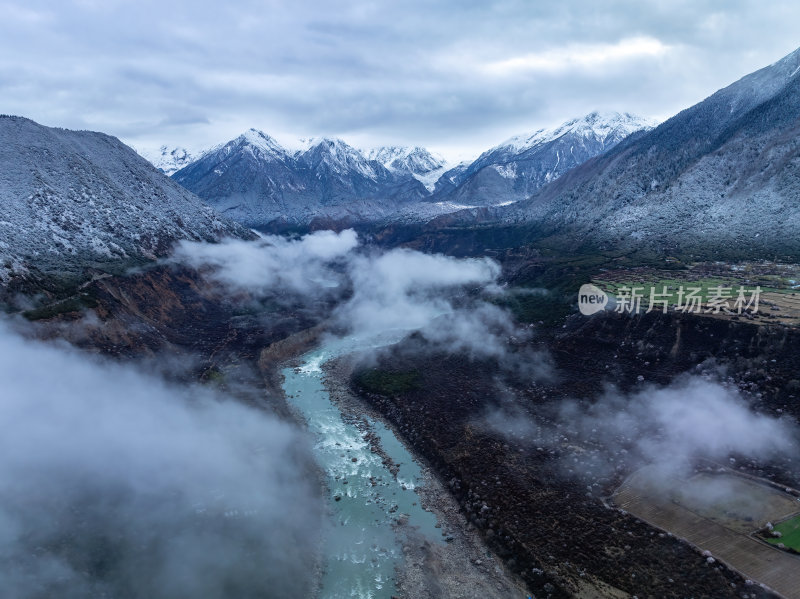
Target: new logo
column 591, row 299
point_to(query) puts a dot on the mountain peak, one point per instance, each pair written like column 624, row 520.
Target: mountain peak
column 260, row 143
column 335, row 156
column 168, row 160
column 414, row 160
column 328, row 143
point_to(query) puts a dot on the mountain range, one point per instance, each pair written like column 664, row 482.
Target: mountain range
column 257, row 182
column 721, row 174
column 521, row 165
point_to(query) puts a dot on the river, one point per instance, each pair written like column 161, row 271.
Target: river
column 362, row 547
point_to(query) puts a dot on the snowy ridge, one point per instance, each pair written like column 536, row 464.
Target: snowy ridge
column 169, row 160
column 415, row 160
column 256, row 142
column 719, row 176
column 600, row 125
column 256, row 181
column 70, row 199
column 521, row 165
column 261, row 142
column 425, row 166
column 338, row 157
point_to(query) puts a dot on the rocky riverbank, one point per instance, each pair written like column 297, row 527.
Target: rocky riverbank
column 460, row 565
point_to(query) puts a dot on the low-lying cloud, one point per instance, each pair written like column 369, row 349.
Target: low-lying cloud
column 444, row 298
column 668, row 428
column 117, row 484
column 298, row 266
column 671, row 426
column 407, row 289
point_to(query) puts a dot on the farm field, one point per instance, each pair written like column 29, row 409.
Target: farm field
column 790, row 529
column 779, row 299
column 713, row 526
column 734, row 502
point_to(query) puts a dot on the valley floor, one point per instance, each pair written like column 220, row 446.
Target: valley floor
column 461, row 566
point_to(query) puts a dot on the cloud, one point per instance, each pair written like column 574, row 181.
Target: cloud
column 446, row 299
column 667, row 428
column 405, row 289
column 578, row 56
column 118, row 484
column 671, row 426
column 297, row 266
column 401, row 73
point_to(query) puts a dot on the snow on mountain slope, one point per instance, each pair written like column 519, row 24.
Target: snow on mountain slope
column 451, row 178
column 257, row 182
column 168, row 160
column 607, row 127
column 261, row 144
column 336, row 157
column 423, row 165
column 723, row 175
column 414, row 160
column 73, row 199
column 518, row 167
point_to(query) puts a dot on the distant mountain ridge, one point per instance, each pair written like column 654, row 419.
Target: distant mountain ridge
column 724, row 173
column 169, row 160
column 416, row 161
column 518, row 167
column 259, row 183
column 256, row 181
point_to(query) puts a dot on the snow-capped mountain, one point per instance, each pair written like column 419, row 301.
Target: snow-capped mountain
column 722, row 176
column 168, row 160
column 608, row 128
column 334, row 157
column 72, row 199
column 259, row 183
column 518, row 167
column 418, row 162
column 259, row 143
column 245, row 178
column 256, row 181
column 414, row 160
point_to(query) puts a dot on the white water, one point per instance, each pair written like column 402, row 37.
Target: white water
column 361, row 546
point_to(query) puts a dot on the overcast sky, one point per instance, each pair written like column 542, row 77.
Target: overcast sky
column 455, row 76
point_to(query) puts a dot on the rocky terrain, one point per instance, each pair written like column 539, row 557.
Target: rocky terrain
column 550, row 527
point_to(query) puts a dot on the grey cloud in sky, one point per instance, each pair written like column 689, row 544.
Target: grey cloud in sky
column 455, row 76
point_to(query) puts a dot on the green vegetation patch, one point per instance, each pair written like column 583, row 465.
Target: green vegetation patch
column 790, row 534
column 388, row 382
